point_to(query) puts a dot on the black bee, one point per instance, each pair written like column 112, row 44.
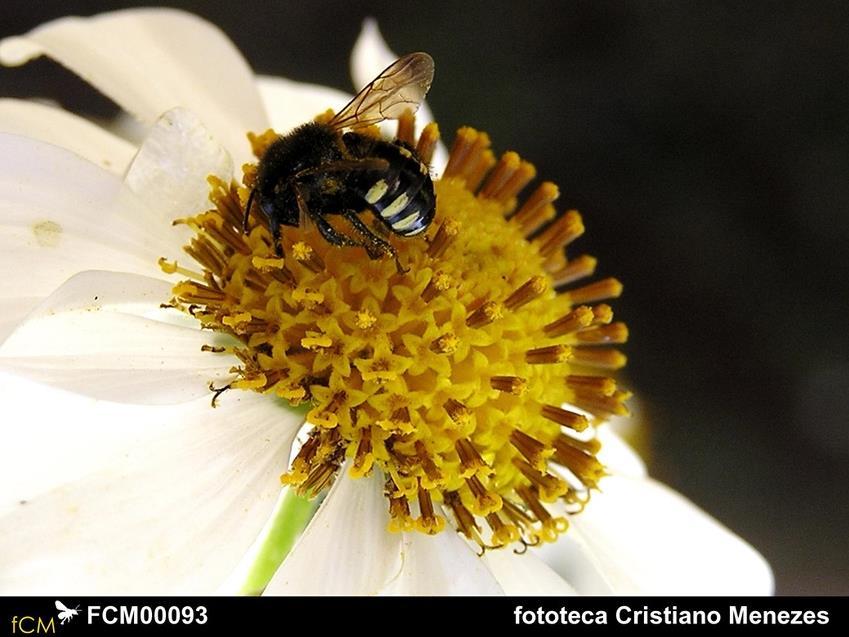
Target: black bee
column 318, row 170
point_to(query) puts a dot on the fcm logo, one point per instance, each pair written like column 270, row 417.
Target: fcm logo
column 30, row 625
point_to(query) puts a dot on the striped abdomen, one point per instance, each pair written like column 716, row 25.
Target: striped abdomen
column 402, row 197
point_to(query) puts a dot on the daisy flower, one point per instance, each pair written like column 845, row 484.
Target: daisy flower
column 454, row 408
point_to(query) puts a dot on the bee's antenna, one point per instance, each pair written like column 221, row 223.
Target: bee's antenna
column 248, row 210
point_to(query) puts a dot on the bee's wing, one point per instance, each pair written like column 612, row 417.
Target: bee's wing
column 401, row 86
column 61, row 606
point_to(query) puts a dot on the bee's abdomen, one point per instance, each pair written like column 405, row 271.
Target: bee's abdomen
column 402, row 197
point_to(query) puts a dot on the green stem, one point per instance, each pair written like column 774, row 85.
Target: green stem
column 291, row 516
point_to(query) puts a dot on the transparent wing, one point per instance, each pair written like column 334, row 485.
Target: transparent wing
column 402, row 85
column 61, row 606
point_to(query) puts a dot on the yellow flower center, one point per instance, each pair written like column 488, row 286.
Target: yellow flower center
column 465, row 382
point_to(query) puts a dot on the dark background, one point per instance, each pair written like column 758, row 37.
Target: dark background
column 708, row 147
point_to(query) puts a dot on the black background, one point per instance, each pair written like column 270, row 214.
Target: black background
column 707, row 146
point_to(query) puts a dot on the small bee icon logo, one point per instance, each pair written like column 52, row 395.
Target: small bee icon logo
column 66, row 613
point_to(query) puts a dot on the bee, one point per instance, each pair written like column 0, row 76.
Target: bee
column 321, row 170
column 66, row 613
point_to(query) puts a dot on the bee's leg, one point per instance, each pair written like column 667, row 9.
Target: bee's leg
column 247, row 217
column 375, row 246
column 334, row 237
column 275, row 235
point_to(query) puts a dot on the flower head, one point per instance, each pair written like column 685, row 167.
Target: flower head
column 447, row 378
column 460, row 393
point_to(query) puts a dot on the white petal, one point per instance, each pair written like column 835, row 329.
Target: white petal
column 346, row 549
column 643, row 538
column 525, row 574
column 570, row 558
column 291, row 103
column 170, row 171
column 442, row 564
column 369, row 57
column 60, row 214
column 61, row 128
column 617, row 456
column 92, row 337
column 151, row 60
column 99, row 498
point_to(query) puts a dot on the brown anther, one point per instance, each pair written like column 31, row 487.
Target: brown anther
column 406, row 127
column 516, row 514
column 427, row 143
column 574, row 270
column 486, row 500
column 325, row 416
column 602, row 314
column 463, row 517
column 401, row 418
column 308, row 450
column 225, row 196
column 465, row 152
column 591, row 446
column 534, row 451
column 488, row 312
column 399, row 511
column 584, row 465
column 516, row 183
column 605, row 289
column 548, row 355
column 601, row 358
column 458, row 412
column 604, row 335
column 432, row 472
column 439, row 282
column 531, row 499
column 560, row 233
column 256, row 280
column 285, row 276
column 509, row 384
column 318, row 479
column 428, row 522
column 307, row 257
column 215, row 349
column 363, row 459
column 460, row 149
column 537, row 209
column 595, row 384
column 478, row 169
column 549, row 526
column 444, row 237
column 578, row 318
column 530, row 290
column 603, row 406
column 564, row 417
column 470, row 460
column 329, row 447
column 502, row 534
column 206, row 254
column 550, row 487
column 507, row 164
column 445, row 344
